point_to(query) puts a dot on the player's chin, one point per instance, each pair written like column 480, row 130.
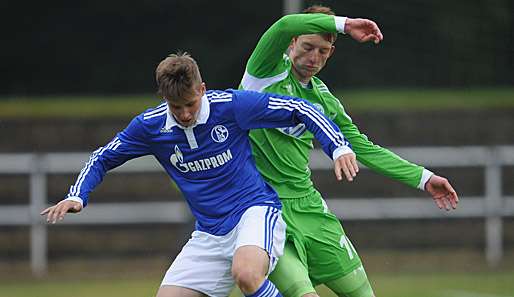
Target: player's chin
column 186, row 124
column 311, row 71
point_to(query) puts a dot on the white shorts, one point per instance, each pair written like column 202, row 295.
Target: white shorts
column 205, row 262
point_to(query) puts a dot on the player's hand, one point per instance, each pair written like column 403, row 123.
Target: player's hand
column 346, row 164
column 363, row 30
column 442, row 192
column 58, row 211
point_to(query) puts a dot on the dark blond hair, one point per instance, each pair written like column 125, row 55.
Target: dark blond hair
column 331, row 37
column 177, row 77
column 319, row 9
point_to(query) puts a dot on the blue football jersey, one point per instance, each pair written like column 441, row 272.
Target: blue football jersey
column 211, row 162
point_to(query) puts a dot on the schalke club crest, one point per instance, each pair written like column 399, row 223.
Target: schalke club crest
column 219, row 133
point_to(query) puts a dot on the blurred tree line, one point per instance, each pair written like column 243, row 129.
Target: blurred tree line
column 113, row 47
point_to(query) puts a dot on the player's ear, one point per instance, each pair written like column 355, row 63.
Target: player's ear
column 332, row 49
column 203, row 88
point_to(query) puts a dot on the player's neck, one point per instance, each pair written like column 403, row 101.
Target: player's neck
column 302, row 79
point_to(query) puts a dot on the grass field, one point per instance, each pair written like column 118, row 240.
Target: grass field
column 354, row 100
column 406, row 273
column 403, row 273
column 497, row 284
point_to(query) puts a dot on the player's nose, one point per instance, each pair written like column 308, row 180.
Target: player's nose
column 186, row 116
column 315, row 57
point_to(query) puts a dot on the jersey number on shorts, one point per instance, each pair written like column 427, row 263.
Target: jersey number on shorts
column 348, row 246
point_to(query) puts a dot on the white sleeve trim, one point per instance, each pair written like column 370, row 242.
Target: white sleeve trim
column 341, row 151
column 76, row 199
column 340, row 23
column 425, row 176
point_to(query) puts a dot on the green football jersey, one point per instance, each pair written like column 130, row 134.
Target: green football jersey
column 282, row 155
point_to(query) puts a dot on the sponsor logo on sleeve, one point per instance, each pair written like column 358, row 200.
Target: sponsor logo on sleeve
column 300, row 129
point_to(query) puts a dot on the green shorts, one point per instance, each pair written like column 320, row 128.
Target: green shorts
column 316, row 245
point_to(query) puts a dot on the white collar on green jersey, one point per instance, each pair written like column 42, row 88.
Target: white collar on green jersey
column 203, row 115
column 307, row 86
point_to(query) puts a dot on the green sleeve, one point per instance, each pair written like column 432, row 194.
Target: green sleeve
column 267, row 58
column 375, row 157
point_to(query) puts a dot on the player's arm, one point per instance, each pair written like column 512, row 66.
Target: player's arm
column 389, row 164
column 128, row 144
column 260, row 110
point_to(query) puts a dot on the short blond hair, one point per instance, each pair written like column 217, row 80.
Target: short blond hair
column 177, row 76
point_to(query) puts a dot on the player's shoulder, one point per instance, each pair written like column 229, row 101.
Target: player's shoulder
column 286, row 59
column 220, row 96
column 154, row 113
column 243, row 96
column 320, row 85
column 323, row 89
column 329, row 99
column 153, row 117
column 285, row 64
column 220, row 103
column 223, row 103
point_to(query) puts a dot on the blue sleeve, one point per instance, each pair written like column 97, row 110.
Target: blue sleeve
column 262, row 110
column 128, row 144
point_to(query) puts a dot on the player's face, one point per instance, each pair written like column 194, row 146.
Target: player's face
column 309, row 54
column 186, row 110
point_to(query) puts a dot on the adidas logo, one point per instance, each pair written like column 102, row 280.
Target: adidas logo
column 164, row 130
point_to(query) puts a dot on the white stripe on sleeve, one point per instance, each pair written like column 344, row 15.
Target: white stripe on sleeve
column 76, row 188
column 322, row 122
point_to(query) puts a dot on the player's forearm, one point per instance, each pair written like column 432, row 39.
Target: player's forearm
column 89, row 178
column 391, row 165
column 299, row 24
column 377, row 158
column 102, row 160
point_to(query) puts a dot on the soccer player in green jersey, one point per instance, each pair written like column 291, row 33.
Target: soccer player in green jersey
column 317, row 251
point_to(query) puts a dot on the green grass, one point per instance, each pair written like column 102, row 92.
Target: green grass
column 427, row 99
column 79, row 288
column 430, row 273
column 354, row 100
column 75, row 106
column 446, row 285
column 492, row 284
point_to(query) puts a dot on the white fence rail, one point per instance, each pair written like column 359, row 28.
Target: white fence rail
column 493, row 206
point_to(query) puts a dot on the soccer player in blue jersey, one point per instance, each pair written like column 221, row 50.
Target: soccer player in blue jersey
column 201, row 139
